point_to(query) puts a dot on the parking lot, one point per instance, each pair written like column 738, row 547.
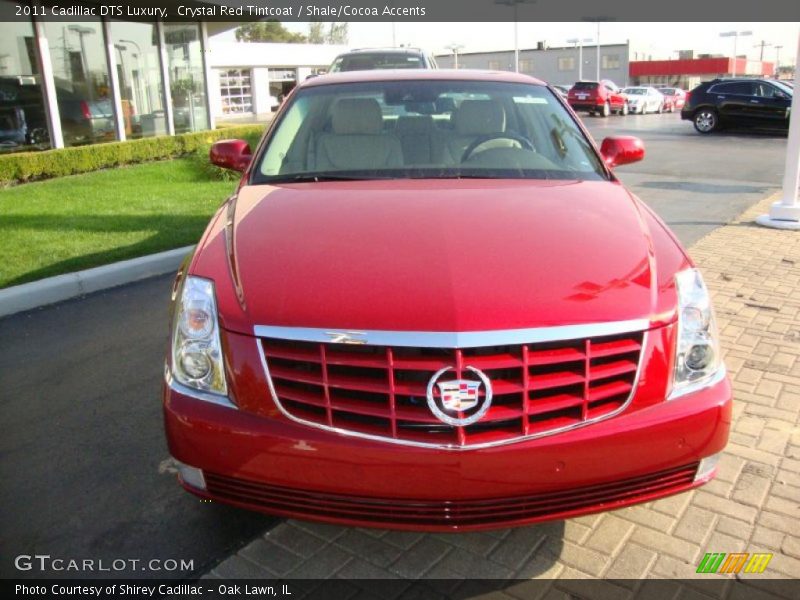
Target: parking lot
column 84, row 443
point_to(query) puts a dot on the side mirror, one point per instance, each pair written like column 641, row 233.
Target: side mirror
column 621, row 150
column 231, row 154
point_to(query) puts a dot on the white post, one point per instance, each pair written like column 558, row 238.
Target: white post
column 598, row 51
column 516, row 39
column 164, row 61
column 116, row 95
column 207, row 73
column 735, row 40
column 580, row 61
column 785, row 214
column 48, row 84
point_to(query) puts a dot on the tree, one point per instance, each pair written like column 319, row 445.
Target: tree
column 316, row 33
column 268, row 31
column 338, row 33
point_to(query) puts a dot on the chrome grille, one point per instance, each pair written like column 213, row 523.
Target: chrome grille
column 380, row 391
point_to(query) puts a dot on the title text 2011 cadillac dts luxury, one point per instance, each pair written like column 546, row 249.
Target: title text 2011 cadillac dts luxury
column 431, row 305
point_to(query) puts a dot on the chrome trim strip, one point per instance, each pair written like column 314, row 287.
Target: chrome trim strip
column 696, row 386
column 378, row 438
column 458, row 339
column 173, row 384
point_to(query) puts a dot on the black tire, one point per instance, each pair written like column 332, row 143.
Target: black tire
column 705, row 120
column 606, row 110
column 624, row 110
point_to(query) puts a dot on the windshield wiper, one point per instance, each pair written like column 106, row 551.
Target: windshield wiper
column 318, row 177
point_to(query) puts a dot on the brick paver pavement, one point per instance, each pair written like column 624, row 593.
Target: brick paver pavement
column 753, row 505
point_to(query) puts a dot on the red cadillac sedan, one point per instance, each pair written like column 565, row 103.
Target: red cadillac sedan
column 431, row 305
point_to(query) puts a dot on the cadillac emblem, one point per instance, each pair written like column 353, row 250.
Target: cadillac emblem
column 459, row 401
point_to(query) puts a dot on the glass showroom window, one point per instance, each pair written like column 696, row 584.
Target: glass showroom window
column 82, row 84
column 236, row 91
column 609, row 61
column 186, row 76
column 23, row 120
column 139, row 75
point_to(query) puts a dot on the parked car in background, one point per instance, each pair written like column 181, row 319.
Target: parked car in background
column 677, row 95
column 429, row 315
column 598, row 97
column 22, row 115
column 563, row 90
column 756, row 103
column 643, row 99
column 366, row 59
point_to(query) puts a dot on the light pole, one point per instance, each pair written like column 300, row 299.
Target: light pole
column 785, row 214
column 515, row 4
column 84, row 31
column 735, row 35
column 121, row 48
column 455, row 48
column 580, row 42
column 777, row 61
column 598, row 51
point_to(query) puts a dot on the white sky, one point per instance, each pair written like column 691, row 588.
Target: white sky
column 659, row 39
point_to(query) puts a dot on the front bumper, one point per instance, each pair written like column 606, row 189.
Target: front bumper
column 279, row 467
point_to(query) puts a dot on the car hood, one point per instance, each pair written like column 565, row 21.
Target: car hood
column 439, row 255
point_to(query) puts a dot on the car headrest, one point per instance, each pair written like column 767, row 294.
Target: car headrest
column 479, row 117
column 414, row 124
column 352, row 116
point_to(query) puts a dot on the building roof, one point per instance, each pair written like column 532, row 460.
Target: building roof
column 421, row 75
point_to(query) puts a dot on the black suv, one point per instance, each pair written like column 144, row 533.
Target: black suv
column 758, row 103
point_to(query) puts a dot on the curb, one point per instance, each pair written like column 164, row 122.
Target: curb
column 24, row 297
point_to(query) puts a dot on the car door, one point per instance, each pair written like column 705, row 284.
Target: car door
column 615, row 98
column 733, row 100
column 771, row 105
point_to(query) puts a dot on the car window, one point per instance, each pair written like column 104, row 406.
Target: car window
column 742, row 88
column 634, row 91
column 765, row 90
column 585, row 85
column 426, row 129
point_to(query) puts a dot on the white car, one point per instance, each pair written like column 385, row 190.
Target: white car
column 644, row 99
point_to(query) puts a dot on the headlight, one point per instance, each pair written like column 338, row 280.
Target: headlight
column 697, row 352
column 196, row 348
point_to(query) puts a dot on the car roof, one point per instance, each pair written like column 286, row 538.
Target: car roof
column 383, row 51
column 420, row 75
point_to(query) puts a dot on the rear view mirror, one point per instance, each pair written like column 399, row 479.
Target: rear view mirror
column 621, row 150
column 231, row 154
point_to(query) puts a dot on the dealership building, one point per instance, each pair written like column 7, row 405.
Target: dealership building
column 65, row 83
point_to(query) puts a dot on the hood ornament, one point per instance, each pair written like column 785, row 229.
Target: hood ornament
column 459, row 396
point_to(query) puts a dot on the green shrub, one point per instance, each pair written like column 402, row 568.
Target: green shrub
column 27, row 166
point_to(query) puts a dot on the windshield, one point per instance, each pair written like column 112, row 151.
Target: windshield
column 635, row 91
column 364, row 61
column 426, row 129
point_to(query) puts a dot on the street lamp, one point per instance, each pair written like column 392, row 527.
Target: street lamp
column 778, row 61
column 735, row 35
column 580, row 42
column 515, row 4
column 455, row 48
column 83, row 31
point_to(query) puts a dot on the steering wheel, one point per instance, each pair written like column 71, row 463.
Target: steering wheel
column 508, row 135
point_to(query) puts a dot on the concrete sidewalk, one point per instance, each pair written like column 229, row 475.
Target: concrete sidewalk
column 752, row 506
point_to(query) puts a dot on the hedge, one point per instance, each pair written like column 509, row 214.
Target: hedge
column 27, row 166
